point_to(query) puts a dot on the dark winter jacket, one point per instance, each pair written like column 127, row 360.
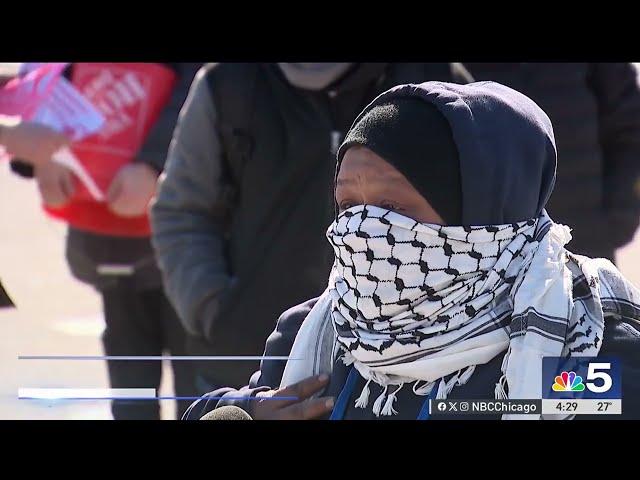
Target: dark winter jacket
column 595, row 111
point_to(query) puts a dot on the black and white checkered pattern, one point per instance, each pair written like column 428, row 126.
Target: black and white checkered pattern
column 398, row 281
column 413, row 301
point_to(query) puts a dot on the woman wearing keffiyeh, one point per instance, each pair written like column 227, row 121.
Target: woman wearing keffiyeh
column 450, row 280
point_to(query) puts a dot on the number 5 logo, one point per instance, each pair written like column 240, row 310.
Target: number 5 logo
column 594, row 374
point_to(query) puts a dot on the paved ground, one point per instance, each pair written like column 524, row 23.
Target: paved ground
column 56, row 315
column 59, row 316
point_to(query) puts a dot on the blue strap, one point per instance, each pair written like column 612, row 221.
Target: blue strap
column 424, row 412
column 341, row 404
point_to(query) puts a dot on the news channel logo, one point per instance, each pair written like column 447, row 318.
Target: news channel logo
column 581, row 378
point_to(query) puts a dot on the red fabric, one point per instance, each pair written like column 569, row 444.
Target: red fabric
column 131, row 97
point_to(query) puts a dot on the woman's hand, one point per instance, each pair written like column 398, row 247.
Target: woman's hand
column 32, row 142
column 132, row 189
column 56, row 184
column 300, row 408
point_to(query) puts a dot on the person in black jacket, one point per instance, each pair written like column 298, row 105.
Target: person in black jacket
column 450, row 280
column 246, row 195
column 595, row 110
column 139, row 319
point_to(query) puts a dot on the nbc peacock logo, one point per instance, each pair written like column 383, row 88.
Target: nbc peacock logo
column 568, row 382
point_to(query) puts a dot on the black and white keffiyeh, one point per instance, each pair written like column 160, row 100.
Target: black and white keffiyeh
column 415, row 303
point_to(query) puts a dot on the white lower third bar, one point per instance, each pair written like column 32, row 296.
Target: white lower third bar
column 84, row 393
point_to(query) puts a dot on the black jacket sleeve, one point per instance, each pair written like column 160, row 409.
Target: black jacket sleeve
column 618, row 93
column 154, row 150
column 622, row 341
column 188, row 214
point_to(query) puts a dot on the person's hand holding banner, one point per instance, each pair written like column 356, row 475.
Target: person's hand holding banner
column 130, row 96
column 41, row 114
column 31, row 141
column 55, row 183
column 106, row 110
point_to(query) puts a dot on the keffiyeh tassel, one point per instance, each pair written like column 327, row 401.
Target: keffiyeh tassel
column 500, row 391
column 384, row 403
column 424, row 390
column 388, row 405
column 460, row 378
column 363, row 399
column 466, row 375
column 377, row 406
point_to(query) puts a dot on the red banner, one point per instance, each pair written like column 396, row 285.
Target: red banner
column 131, row 97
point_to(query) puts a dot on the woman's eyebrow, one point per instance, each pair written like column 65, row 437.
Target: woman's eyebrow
column 376, row 178
column 345, row 181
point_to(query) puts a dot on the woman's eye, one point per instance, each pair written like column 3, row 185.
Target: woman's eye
column 391, row 207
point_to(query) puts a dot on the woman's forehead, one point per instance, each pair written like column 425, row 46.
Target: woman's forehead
column 361, row 158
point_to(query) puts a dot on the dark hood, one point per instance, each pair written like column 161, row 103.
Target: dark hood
column 505, row 143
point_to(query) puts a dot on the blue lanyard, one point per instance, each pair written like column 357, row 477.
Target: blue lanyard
column 341, row 404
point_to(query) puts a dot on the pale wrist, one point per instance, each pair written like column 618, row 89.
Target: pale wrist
column 9, row 121
column 149, row 169
column 6, row 125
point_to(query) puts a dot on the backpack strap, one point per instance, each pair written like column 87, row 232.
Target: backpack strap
column 233, row 89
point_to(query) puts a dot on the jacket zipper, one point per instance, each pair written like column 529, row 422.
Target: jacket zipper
column 335, row 137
